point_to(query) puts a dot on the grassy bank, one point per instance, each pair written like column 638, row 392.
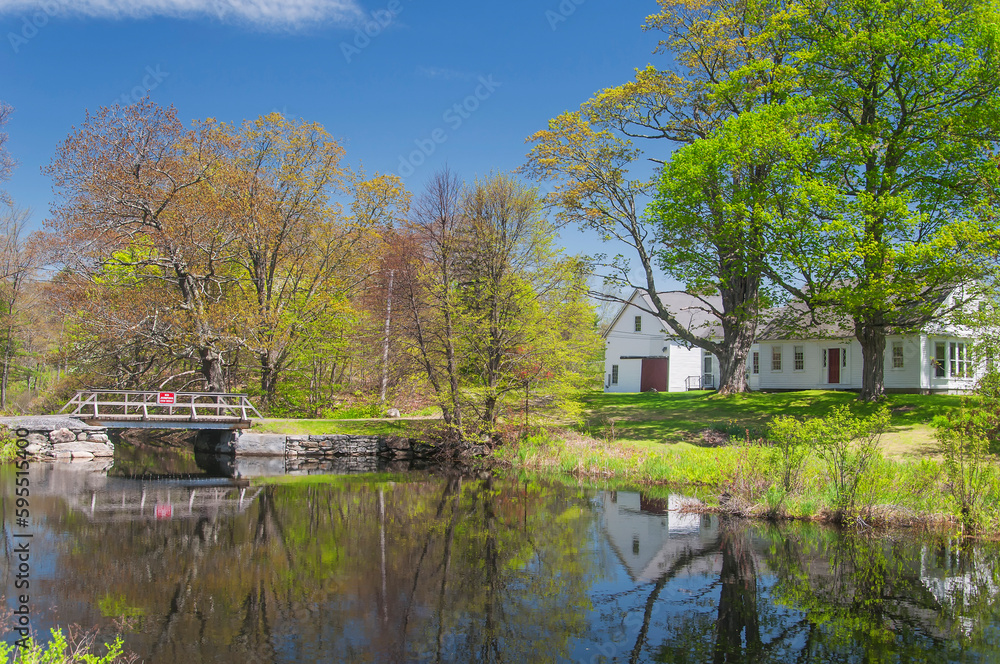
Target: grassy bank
column 714, row 448
column 742, row 479
column 656, row 419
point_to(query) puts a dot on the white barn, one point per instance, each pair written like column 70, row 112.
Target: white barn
column 642, row 353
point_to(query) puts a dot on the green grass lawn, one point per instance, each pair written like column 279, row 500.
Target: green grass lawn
column 667, row 418
column 371, row 427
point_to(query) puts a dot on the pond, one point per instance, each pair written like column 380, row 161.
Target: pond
column 433, row 565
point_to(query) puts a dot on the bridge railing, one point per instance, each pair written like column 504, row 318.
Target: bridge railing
column 121, row 405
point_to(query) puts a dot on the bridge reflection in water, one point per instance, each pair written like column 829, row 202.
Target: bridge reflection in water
column 101, row 497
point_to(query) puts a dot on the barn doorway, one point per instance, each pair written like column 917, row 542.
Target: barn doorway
column 654, row 374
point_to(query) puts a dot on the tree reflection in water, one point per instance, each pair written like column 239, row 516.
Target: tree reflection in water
column 446, row 568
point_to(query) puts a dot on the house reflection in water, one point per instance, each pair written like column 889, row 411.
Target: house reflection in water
column 649, row 534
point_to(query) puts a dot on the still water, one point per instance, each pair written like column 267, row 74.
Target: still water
column 428, row 566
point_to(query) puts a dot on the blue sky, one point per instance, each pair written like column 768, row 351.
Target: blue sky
column 510, row 66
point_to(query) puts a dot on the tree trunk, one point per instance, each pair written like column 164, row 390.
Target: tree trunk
column 871, row 335
column 211, row 369
column 732, row 371
column 8, row 355
column 732, row 354
column 268, row 376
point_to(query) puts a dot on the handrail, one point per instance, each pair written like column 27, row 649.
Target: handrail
column 132, row 405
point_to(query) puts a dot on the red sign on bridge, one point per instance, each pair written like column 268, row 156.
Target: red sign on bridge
column 166, row 399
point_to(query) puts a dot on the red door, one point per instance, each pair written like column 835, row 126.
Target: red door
column 654, row 374
column 833, row 364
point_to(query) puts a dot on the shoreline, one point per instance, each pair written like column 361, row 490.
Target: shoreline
column 733, row 480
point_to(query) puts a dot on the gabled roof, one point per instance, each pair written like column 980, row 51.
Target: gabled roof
column 691, row 311
column 796, row 321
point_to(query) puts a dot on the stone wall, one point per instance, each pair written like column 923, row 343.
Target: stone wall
column 242, row 444
column 62, row 437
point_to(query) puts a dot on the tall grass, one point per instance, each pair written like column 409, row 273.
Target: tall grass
column 759, row 478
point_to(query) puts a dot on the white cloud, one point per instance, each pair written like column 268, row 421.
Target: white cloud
column 261, row 13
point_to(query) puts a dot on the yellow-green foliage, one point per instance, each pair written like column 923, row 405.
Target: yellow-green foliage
column 8, row 445
column 64, row 650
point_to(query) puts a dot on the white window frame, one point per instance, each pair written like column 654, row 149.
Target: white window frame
column 776, row 352
column 898, row 358
column 614, row 374
column 755, row 363
column 959, row 362
column 798, row 358
column 638, row 323
column 939, row 361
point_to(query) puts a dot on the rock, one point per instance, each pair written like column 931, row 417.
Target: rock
column 82, row 436
column 98, row 438
column 43, row 423
column 397, row 443
column 260, row 444
column 83, row 450
column 38, row 439
column 62, row 436
column 393, row 412
column 34, row 448
column 473, row 451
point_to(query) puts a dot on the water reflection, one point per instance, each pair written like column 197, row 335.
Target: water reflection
column 441, row 567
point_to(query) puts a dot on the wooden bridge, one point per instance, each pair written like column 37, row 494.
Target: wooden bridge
column 116, row 409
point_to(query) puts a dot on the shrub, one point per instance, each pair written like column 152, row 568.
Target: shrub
column 967, row 463
column 8, row 445
column 72, row 648
column 847, row 445
column 788, row 451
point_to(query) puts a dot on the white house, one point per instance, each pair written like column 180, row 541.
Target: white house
column 936, row 358
column 642, row 353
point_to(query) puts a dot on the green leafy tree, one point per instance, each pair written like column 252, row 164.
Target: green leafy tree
column 906, row 98
column 710, row 228
column 496, row 314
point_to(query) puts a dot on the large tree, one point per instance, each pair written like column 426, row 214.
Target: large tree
column 496, row 316
column 19, row 260
column 906, row 96
column 134, row 212
column 589, row 155
column 299, row 253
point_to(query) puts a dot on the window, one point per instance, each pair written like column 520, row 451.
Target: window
column 638, row 323
column 614, row 374
column 756, row 363
column 825, row 357
column 939, row 358
column 775, row 358
column 843, row 357
column 799, row 358
column 961, row 365
column 897, row 355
